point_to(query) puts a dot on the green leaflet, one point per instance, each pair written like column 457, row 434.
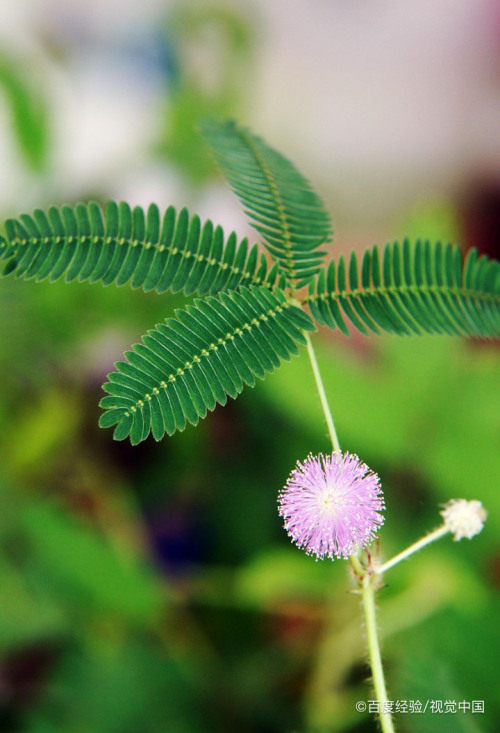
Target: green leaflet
column 410, row 290
column 281, row 204
column 188, row 364
column 122, row 245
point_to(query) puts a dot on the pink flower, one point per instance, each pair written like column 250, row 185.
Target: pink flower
column 331, row 505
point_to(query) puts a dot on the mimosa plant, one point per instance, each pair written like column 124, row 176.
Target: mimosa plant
column 253, row 312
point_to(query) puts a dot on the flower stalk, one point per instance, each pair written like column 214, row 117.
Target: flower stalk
column 322, row 394
column 415, row 547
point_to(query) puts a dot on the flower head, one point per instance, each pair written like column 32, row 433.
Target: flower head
column 331, row 505
column 464, row 518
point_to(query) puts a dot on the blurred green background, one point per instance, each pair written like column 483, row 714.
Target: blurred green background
column 153, row 588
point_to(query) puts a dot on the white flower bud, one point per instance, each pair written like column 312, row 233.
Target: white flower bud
column 464, row 518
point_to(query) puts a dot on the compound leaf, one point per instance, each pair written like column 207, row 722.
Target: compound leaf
column 188, row 364
column 418, row 288
column 282, row 206
column 120, row 245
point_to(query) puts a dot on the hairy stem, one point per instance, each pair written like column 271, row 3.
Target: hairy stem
column 368, row 595
column 322, row 394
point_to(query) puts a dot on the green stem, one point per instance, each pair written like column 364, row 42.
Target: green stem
column 368, row 595
column 322, row 394
column 431, row 537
